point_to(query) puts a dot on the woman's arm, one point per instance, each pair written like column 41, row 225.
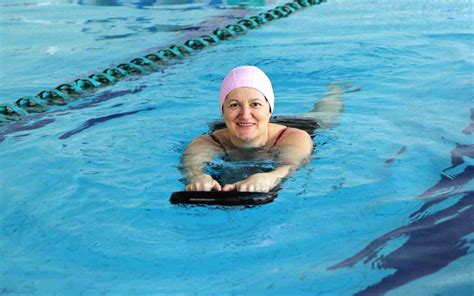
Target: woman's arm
column 294, row 148
column 199, row 152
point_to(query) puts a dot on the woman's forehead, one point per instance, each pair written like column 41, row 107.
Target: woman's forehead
column 245, row 93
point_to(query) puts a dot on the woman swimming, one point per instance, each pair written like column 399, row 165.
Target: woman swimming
column 247, row 102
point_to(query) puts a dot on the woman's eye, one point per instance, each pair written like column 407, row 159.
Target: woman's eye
column 256, row 104
column 233, row 105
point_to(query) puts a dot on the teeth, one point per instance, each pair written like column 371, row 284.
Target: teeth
column 245, row 124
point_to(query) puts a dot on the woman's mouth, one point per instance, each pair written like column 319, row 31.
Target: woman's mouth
column 245, row 124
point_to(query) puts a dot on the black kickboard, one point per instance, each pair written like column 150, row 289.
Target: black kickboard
column 222, row 198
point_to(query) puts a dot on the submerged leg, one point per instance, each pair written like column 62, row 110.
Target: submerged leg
column 326, row 110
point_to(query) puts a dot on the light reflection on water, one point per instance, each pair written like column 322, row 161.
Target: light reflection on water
column 85, row 202
column 140, row 4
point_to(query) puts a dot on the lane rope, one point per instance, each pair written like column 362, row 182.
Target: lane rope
column 67, row 92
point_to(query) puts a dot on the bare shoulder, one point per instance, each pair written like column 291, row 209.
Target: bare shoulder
column 295, row 145
column 204, row 140
column 295, row 135
column 202, row 145
column 220, row 134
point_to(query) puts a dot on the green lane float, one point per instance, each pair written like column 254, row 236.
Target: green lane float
column 67, row 92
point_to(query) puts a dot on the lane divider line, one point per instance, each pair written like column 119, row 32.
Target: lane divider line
column 67, row 92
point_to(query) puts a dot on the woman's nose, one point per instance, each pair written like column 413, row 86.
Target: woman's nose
column 245, row 112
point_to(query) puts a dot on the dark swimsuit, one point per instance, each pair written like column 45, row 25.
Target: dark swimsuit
column 229, row 171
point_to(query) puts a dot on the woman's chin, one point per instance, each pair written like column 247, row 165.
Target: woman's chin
column 247, row 137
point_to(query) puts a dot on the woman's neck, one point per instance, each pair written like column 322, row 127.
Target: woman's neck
column 259, row 142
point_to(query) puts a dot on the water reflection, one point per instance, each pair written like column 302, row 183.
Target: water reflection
column 147, row 3
column 100, row 2
column 140, row 4
column 434, row 238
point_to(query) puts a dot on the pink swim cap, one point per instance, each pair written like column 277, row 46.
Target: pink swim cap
column 247, row 76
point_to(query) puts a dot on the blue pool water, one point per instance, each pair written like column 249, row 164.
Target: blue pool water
column 384, row 206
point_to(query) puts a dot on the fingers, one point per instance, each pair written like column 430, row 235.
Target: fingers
column 193, row 187
column 255, row 183
column 246, row 187
column 207, row 185
column 216, row 186
column 228, row 187
column 252, row 188
column 202, row 187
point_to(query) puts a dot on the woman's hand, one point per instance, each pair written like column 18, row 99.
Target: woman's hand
column 261, row 182
column 203, row 182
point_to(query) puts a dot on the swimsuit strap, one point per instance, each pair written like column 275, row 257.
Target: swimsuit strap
column 215, row 139
column 279, row 136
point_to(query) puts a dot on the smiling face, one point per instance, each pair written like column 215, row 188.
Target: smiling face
column 246, row 114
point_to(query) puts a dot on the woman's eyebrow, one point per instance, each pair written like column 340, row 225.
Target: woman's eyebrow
column 250, row 100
